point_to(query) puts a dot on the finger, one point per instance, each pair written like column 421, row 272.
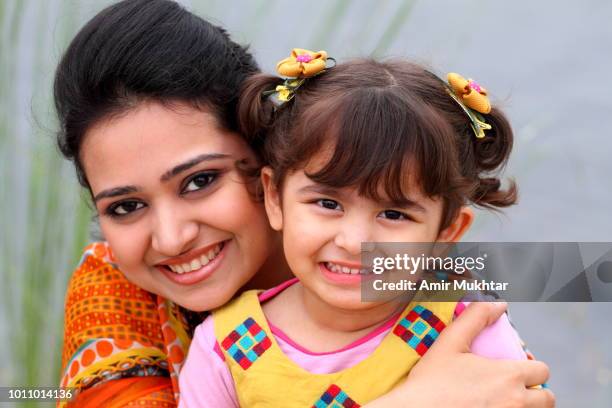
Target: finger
column 532, row 372
column 543, row 398
column 458, row 336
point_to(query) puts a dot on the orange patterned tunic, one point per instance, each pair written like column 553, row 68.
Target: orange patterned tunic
column 123, row 346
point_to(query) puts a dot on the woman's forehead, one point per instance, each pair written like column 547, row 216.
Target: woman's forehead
column 150, row 140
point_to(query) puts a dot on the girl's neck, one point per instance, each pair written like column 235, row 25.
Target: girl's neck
column 329, row 317
column 320, row 327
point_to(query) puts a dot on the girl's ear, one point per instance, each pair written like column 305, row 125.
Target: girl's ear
column 458, row 227
column 272, row 199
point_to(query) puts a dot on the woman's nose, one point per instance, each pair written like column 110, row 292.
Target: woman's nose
column 173, row 232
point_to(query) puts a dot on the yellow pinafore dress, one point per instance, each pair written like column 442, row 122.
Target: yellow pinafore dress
column 265, row 377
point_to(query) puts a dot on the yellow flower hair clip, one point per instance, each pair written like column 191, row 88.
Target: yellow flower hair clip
column 302, row 64
column 473, row 100
column 299, row 66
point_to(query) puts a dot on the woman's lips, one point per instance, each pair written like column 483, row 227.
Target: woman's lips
column 199, row 269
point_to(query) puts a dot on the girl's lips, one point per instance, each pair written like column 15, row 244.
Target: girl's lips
column 340, row 278
column 190, row 278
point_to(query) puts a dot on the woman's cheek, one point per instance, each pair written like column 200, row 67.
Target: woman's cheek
column 127, row 244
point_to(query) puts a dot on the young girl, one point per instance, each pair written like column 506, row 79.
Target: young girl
column 361, row 152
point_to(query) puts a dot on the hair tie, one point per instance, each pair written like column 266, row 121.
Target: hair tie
column 299, row 66
column 473, row 100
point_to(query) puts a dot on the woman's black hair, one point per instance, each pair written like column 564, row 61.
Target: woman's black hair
column 138, row 50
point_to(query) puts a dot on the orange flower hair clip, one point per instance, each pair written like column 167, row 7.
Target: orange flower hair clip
column 473, row 100
column 302, row 64
column 299, row 66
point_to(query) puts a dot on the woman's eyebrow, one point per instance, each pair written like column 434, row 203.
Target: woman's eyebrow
column 114, row 192
column 190, row 163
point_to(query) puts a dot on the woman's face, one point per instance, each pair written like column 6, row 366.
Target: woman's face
column 172, row 205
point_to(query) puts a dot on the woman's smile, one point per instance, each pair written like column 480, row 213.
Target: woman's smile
column 174, row 206
column 190, row 269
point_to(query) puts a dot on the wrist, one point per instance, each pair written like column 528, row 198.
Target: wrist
column 400, row 396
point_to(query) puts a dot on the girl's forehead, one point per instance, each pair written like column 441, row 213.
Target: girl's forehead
column 409, row 181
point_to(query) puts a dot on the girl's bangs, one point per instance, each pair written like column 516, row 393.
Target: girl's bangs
column 381, row 141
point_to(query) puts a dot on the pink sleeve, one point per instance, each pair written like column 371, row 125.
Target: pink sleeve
column 498, row 341
column 205, row 379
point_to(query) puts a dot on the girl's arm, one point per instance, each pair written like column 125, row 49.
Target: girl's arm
column 449, row 375
column 205, row 380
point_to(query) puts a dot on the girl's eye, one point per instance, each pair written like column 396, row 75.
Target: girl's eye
column 124, row 208
column 329, row 204
column 394, row 215
column 199, row 182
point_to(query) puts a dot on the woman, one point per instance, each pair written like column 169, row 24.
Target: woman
column 146, row 96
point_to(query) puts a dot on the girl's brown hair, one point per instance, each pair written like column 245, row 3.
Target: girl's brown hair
column 382, row 122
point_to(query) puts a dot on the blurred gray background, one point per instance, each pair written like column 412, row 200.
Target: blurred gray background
column 547, row 63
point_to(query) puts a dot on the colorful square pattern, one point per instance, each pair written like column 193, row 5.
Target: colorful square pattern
column 419, row 329
column 336, row 398
column 246, row 343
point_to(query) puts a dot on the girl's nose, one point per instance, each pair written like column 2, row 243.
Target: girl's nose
column 173, row 233
column 352, row 234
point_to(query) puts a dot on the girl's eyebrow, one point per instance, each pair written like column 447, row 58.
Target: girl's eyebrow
column 405, row 203
column 325, row 190
column 190, row 163
column 320, row 189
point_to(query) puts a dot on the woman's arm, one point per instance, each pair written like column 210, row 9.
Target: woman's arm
column 449, row 375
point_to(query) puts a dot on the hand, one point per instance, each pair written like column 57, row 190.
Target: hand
column 448, row 375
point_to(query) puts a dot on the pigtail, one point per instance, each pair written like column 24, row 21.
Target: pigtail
column 256, row 111
column 490, row 155
column 255, row 115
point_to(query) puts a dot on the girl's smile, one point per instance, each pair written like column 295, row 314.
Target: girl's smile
column 341, row 273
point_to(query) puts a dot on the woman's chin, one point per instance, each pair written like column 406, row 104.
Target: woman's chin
column 200, row 301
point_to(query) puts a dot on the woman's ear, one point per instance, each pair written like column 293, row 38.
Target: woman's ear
column 272, row 199
column 458, row 227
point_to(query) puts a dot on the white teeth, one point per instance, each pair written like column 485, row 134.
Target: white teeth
column 344, row 269
column 204, row 260
column 196, row 263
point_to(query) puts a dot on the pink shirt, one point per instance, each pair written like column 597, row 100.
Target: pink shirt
column 206, row 381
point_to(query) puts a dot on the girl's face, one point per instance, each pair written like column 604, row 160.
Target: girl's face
column 323, row 230
column 172, row 205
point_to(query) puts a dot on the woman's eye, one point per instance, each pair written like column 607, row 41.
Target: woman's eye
column 329, row 204
column 394, row 215
column 124, row 208
column 199, row 181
